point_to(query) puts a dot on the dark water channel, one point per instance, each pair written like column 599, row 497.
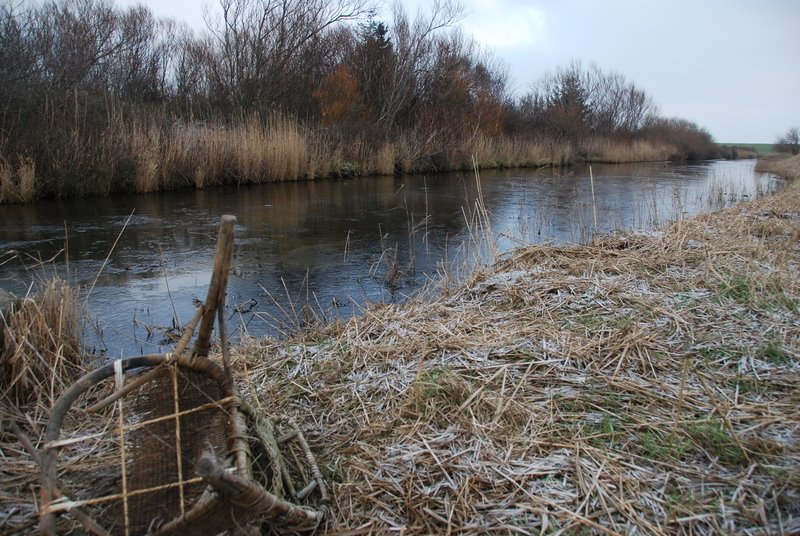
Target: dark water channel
column 328, row 245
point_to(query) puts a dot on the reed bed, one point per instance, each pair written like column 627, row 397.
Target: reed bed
column 785, row 165
column 506, row 152
column 149, row 152
column 620, row 152
column 250, row 151
column 648, row 383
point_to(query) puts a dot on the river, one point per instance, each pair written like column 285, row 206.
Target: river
column 325, row 248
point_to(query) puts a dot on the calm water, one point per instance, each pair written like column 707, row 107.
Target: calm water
column 332, row 245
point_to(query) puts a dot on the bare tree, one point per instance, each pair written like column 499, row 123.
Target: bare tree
column 75, row 40
column 691, row 141
column 259, row 41
column 191, row 63
column 140, row 69
column 414, row 54
column 789, row 142
column 619, row 107
column 373, row 61
column 19, row 78
column 462, row 93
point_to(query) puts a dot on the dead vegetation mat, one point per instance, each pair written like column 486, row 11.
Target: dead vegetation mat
column 646, row 384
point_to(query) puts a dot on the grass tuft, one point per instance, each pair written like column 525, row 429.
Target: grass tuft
column 714, row 439
column 42, row 348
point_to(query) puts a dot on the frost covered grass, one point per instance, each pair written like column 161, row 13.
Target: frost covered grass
column 647, row 383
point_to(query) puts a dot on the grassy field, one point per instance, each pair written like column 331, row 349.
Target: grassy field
column 761, row 148
column 647, row 383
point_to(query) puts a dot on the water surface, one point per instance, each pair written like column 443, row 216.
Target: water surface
column 330, row 246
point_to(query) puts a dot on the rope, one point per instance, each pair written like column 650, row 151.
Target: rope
column 178, row 445
column 119, row 379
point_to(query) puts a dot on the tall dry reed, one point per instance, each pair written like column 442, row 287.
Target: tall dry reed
column 42, row 344
column 146, row 143
column 621, row 152
column 384, row 160
column 511, row 151
column 17, row 183
column 783, row 165
column 250, row 150
column 286, row 148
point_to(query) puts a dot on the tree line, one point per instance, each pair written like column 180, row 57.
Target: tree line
column 96, row 98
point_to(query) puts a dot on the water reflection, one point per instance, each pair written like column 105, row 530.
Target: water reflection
column 333, row 245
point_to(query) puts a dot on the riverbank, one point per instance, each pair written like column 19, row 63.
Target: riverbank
column 154, row 108
column 648, row 382
column 783, row 165
column 645, row 383
column 148, row 155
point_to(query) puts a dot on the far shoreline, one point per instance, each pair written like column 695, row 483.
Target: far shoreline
column 24, row 186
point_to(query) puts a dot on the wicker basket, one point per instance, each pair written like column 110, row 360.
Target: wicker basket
column 185, row 455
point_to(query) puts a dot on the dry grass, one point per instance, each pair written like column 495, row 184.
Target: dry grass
column 40, row 357
column 785, row 165
column 7, row 186
column 384, row 160
column 645, row 384
column 42, row 350
column 648, row 383
column 504, row 151
column 618, row 152
column 250, row 151
column 145, row 145
column 744, row 152
column 17, row 183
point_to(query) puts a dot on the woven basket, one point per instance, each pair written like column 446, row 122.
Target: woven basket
column 185, row 455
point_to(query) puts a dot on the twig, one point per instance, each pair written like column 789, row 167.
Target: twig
column 113, row 246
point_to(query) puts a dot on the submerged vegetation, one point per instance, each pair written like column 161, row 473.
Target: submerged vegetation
column 97, row 98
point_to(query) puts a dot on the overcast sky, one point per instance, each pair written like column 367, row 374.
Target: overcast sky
column 732, row 66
